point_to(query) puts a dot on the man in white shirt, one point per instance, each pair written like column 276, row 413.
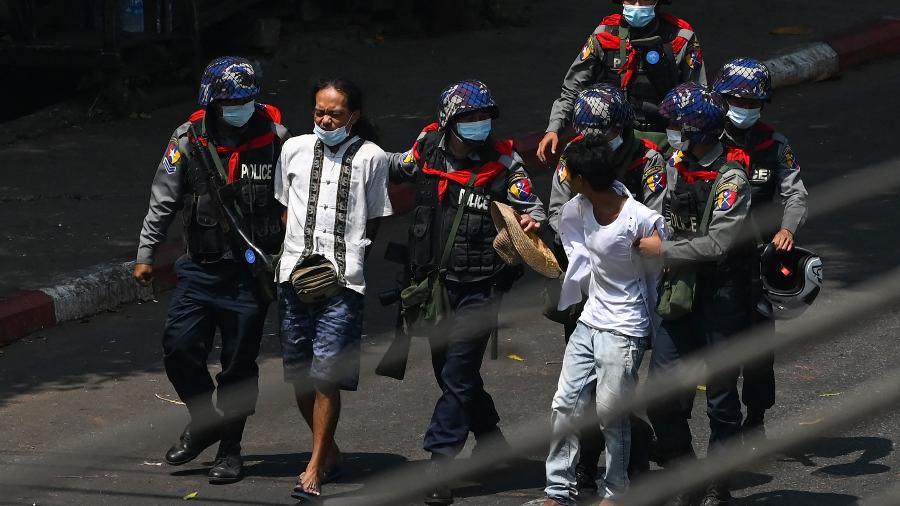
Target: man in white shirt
column 334, row 184
column 598, row 229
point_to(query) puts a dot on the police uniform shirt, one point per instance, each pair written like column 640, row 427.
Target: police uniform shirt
column 590, row 63
column 170, row 186
column 361, row 198
column 731, row 206
column 787, row 178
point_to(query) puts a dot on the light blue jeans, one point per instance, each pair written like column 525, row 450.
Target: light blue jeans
column 611, row 361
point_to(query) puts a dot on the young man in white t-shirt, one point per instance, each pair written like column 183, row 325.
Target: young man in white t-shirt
column 598, row 229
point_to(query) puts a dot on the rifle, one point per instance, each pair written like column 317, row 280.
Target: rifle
column 393, row 363
column 260, row 263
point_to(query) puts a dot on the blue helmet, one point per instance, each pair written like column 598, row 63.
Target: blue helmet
column 744, row 78
column 227, row 78
column 601, row 108
column 465, row 96
column 697, row 111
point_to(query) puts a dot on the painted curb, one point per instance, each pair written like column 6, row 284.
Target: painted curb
column 825, row 59
column 83, row 293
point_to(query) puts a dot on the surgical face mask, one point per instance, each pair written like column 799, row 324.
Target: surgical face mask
column 616, row 142
column 743, row 118
column 331, row 137
column 238, row 115
column 474, row 130
column 675, row 141
column 639, row 16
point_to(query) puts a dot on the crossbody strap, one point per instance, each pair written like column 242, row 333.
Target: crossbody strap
column 457, row 220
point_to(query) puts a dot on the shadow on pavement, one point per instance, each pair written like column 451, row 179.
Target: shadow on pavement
column 872, row 448
column 797, row 498
column 519, row 474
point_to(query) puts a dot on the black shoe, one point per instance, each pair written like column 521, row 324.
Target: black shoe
column 440, row 495
column 491, row 443
column 585, row 478
column 228, row 466
column 716, row 495
column 190, row 445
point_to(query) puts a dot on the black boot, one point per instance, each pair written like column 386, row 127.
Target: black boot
column 229, row 466
column 717, row 494
column 192, row 443
column 441, row 494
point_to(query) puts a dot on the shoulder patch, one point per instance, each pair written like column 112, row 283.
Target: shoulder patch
column 655, row 178
column 587, row 49
column 694, row 55
column 562, row 171
column 520, row 188
column 788, row 159
column 726, row 196
column 171, row 157
column 409, row 159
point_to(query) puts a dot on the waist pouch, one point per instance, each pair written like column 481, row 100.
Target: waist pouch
column 426, row 303
column 676, row 295
column 314, row 279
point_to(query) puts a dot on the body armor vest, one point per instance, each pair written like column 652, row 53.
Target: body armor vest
column 653, row 69
column 472, row 255
column 759, row 153
column 250, row 190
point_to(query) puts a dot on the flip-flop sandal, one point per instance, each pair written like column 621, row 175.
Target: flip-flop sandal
column 333, row 474
column 301, row 494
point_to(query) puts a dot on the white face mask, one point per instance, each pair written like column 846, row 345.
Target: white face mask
column 674, row 137
column 238, row 115
column 616, row 142
column 743, row 118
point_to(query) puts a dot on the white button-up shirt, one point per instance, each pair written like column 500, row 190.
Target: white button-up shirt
column 365, row 198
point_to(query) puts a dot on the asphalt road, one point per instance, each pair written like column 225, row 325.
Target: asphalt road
column 84, row 407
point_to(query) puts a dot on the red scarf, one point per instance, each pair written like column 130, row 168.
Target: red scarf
column 609, row 41
column 262, row 141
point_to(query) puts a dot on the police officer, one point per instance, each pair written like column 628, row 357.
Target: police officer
column 746, row 85
column 644, row 51
column 699, row 174
column 455, row 154
column 602, row 112
column 215, row 289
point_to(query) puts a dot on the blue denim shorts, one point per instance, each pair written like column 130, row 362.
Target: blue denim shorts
column 321, row 342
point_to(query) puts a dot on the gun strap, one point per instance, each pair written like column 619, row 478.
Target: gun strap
column 457, row 220
column 623, row 52
column 214, row 154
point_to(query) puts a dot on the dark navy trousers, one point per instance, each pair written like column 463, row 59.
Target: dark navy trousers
column 209, row 297
column 457, row 351
column 722, row 308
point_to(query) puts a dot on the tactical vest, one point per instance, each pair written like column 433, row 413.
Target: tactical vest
column 686, row 203
column 472, row 255
column 646, row 74
column 250, row 188
column 760, row 155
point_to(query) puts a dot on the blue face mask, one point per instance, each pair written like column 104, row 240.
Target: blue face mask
column 743, row 118
column 474, row 130
column 639, row 16
column 331, row 137
column 238, row 115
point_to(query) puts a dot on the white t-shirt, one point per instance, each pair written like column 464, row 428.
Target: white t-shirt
column 337, row 220
column 615, row 301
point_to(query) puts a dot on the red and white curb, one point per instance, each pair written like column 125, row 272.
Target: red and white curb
column 82, row 294
column 825, row 59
